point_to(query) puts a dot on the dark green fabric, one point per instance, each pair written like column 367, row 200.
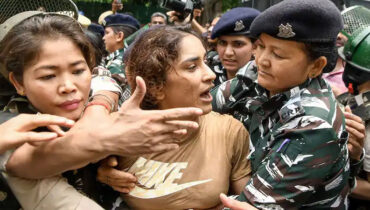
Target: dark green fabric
column 298, row 149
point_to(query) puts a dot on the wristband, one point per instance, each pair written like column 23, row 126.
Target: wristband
column 92, row 103
column 107, row 99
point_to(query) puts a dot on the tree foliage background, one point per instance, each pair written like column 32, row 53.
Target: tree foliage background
column 142, row 9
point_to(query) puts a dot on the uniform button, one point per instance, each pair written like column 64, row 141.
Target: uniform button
column 261, row 112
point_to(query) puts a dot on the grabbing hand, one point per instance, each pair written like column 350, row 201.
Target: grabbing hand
column 356, row 129
column 18, row 130
column 119, row 180
column 173, row 17
column 133, row 131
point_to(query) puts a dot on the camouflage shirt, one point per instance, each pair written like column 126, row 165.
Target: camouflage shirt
column 298, row 142
column 221, row 74
column 114, row 63
column 215, row 64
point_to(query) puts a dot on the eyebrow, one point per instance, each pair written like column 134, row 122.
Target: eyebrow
column 192, row 59
column 272, row 46
column 55, row 67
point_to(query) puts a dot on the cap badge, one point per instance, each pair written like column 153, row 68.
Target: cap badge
column 239, row 25
column 104, row 23
column 286, row 31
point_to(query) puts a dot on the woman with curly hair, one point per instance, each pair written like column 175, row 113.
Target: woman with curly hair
column 210, row 160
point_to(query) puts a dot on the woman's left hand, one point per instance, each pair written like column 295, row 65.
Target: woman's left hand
column 356, row 129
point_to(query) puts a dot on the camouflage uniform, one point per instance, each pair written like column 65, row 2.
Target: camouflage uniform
column 213, row 61
column 114, row 63
column 360, row 106
column 221, row 76
column 298, row 142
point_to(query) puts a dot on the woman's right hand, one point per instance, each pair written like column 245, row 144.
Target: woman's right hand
column 119, row 180
column 18, row 130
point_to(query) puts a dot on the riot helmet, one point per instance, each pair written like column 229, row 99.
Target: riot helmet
column 356, row 52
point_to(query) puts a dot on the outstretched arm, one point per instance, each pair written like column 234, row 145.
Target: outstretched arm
column 130, row 131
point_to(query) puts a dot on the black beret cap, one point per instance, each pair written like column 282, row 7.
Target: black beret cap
column 98, row 29
column 308, row 21
column 121, row 20
column 236, row 21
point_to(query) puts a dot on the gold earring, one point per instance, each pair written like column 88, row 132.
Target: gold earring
column 21, row 92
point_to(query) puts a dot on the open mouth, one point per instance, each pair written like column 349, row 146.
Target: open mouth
column 206, row 95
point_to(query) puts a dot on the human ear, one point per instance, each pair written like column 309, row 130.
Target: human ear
column 160, row 95
column 120, row 36
column 317, row 67
column 18, row 85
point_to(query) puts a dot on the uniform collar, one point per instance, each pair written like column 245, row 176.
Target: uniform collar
column 115, row 53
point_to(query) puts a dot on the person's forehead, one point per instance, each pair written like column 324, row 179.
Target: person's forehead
column 157, row 18
column 234, row 38
column 186, row 51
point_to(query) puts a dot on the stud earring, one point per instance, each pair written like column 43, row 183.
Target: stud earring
column 21, row 92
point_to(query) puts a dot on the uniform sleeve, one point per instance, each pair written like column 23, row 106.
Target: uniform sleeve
column 116, row 66
column 300, row 165
column 222, row 94
column 99, row 83
column 240, row 148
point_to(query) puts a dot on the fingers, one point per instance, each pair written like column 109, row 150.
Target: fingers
column 172, row 126
column 172, row 16
column 56, row 129
column 116, row 175
column 177, row 114
column 122, row 189
column 112, row 161
column 34, row 137
column 33, row 121
column 180, row 132
column 137, row 97
column 348, row 109
column 119, row 180
column 234, row 204
column 350, row 116
column 356, row 129
column 356, row 135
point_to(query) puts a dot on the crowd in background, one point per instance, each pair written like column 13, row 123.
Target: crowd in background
column 253, row 110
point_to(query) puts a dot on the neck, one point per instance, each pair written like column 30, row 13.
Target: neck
column 338, row 65
column 191, row 133
column 118, row 47
column 230, row 75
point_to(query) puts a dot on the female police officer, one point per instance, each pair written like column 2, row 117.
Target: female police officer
column 298, row 140
column 234, row 46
